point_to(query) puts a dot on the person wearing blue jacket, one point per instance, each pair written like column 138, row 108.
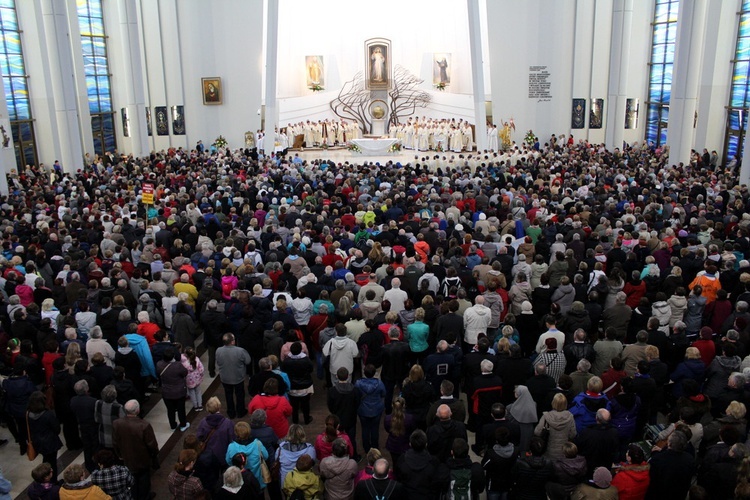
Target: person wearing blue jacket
column 586, row 404
column 140, row 345
column 691, row 368
column 371, row 407
column 249, row 446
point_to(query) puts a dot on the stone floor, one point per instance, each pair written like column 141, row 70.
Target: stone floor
column 17, row 468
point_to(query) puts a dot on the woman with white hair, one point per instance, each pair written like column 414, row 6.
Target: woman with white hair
column 96, row 344
column 49, row 310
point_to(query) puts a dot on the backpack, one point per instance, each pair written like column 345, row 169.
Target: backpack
column 460, row 488
column 374, row 494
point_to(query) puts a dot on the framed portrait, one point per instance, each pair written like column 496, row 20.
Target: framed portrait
column 162, row 127
column 578, row 115
column 125, row 122
column 148, row 121
column 212, row 91
column 315, row 71
column 631, row 113
column 441, row 69
column 596, row 113
column 178, row 120
column 378, row 64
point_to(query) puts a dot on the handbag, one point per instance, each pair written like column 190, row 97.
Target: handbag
column 265, row 472
column 276, row 466
column 545, row 432
column 30, row 450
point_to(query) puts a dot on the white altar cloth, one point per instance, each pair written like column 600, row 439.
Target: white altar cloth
column 373, row 147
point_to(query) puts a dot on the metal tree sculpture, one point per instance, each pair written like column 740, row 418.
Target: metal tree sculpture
column 406, row 96
column 352, row 102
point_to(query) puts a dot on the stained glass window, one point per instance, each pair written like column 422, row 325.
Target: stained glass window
column 660, row 77
column 96, row 70
column 739, row 95
column 15, row 86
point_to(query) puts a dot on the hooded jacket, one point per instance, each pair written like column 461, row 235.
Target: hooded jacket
column 562, row 428
column 253, row 450
column 688, row 369
column 584, row 409
column 45, row 432
column 663, row 312
column 632, row 481
column 564, row 296
column 718, row 372
column 477, row 319
column 677, row 307
column 342, row 351
column 498, row 462
column 83, row 490
column 277, row 410
column 338, row 474
column 287, row 455
column 421, row 474
column 569, row 472
column 372, row 392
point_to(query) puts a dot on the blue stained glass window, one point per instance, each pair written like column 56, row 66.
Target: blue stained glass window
column 96, row 69
column 660, row 78
column 14, row 85
column 739, row 95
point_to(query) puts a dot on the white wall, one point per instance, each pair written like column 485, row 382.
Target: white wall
column 337, row 29
column 187, row 40
column 573, row 39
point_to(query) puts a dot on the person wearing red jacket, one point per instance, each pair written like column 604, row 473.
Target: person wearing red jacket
column 277, row 408
column 632, row 476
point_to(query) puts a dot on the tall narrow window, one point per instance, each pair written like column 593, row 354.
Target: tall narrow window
column 96, row 69
column 662, row 61
column 16, row 87
column 739, row 96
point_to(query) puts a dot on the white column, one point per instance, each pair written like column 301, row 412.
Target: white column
column 272, row 51
column 53, row 87
column 172, row 60
column 126, row 64
column 583, row 62
column 477, row 75
column 622, row 21
column 686, row 75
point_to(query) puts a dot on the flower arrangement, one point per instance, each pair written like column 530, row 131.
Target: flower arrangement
column 324, row 145
column 396, row 147
column 221, row 142
column 353, row 148
column 529, row 138
column 440, row 86
column 316, row 87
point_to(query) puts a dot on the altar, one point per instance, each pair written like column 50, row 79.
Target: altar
column 375, row 147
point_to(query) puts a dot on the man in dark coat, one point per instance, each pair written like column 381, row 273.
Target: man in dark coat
column 343, row 401
column 671, row 471
column 395, row 366
column 577, row 350
column 457, row 406
column 441, row 434
column 83, row 406
column 487, row 390
column 499, row 421
column 422, row 474
column 541, row 387
column 135, row 444
column 599, row 443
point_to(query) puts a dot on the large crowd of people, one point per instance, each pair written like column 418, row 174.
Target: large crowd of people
column 575, row 317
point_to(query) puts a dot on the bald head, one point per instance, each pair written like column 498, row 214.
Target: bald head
column 444, row 412
column 132, row 407
column 479, row 300
column 602, row 416
column 381, row 468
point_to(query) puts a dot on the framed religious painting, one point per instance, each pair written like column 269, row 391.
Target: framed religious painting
column 596, row 113
column 631, row 113
column 212, row 91
column 315, row 73
column 125, row 122
column 162, row 126
column 178, row 120
column 441, row 70
column 378, row 73
column 578, row 116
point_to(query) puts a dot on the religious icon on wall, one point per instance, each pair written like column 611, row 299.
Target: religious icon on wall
column 211, row 90
column 148, row 121
column 162, row 127
column 125, row 122
column 314, row 71
column 441, row 69
column 631, row 113
column 578, row 117
column 178, row 120
column 596, row 113
column 378, row 63
column 5, row 132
